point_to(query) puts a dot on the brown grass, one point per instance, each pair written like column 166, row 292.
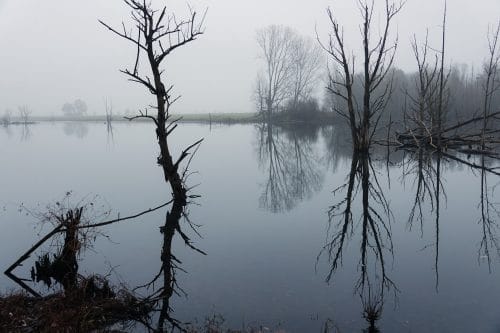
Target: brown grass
column 91, row 306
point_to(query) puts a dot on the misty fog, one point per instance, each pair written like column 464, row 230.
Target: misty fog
column 55, row 51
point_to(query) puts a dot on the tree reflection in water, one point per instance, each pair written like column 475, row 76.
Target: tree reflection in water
column 424, row 168
column 490, row 214
column 164, row 284
column 376, row 236
column 292, row 167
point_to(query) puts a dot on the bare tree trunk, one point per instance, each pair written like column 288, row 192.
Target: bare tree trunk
column 153, row 28
column 377, row 64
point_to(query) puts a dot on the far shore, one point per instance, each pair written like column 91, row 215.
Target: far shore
column 208, row 118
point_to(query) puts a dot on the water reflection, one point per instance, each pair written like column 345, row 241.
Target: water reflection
column 78, row 129
column 7, row 129
column 424, row 168
column 362, row 231
column 25, row 132
column 375, row 218
column 490, row 215
column 293, row 172
column 75, row 229
column 164, row 284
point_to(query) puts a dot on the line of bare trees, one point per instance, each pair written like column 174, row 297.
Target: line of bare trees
column 439, row 106
column 291, row 68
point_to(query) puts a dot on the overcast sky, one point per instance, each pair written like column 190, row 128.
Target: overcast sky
column 54, row 51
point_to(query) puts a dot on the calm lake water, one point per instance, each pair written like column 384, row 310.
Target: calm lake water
column 271, row 216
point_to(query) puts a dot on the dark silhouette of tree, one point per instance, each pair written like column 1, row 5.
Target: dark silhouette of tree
column 159, row 33
column 378, row 58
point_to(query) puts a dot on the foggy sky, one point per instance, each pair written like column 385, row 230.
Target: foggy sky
column 55, row 51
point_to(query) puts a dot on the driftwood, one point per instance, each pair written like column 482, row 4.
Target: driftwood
column 60, row 228
column 453, row 137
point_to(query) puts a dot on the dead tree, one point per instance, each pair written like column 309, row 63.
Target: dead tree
column 378, row 59
column 159, row 33
column 423, row 105
column 429, row 127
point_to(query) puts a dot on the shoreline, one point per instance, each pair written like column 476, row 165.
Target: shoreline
column 323, row 118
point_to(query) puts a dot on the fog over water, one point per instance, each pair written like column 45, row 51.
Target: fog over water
column 55, row 51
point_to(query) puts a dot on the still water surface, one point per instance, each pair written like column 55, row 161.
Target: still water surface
column 272, row 212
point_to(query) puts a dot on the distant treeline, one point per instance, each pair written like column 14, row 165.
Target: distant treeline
column 464, row 95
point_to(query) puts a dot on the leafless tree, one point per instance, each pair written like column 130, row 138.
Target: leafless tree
column 291, row 67
column 158, row 34
column 377, row 61
column 421, row 113
column 430, row 127
column 276, row 43
column 307, row 62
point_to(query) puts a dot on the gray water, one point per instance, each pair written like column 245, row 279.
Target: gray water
column 264, row 222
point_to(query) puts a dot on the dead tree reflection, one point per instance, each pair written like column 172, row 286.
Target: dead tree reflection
column 424, row 167
column 293, row 173
column 164, row 285
column 374, row 225
column 490, row 214
column 373, row 304
column 427, row 167
column 420, row 164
